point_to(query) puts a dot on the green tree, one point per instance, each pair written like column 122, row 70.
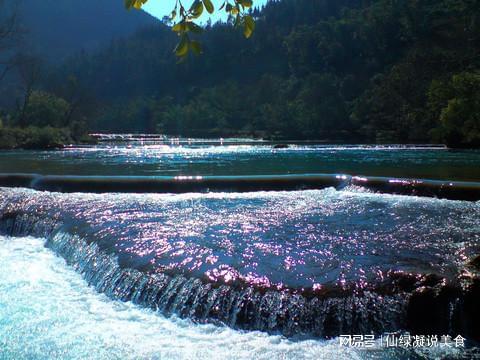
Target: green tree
column 46, row 109
column 460, row 116
column 347, row 70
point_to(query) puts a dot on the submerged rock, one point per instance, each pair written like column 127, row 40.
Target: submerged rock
column 475, row 262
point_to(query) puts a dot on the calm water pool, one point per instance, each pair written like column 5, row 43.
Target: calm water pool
column 247, row 160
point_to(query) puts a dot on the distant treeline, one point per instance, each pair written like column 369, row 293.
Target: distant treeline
column 380, row 71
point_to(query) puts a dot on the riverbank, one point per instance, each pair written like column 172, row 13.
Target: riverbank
column 40, row 138
column 51, row 138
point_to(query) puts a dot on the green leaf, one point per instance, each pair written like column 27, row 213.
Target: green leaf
column 137, row 4
column 179, row 27
column 237, row 21
column 249, row 26
column 196, row 47
column 186, row 25
column 197, row 9
column 191, row 26
column 182, row 48
column 209, row 6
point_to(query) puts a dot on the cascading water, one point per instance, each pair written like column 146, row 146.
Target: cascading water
column 313, row 263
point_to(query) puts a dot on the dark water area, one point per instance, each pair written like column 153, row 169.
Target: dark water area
column 235, row 159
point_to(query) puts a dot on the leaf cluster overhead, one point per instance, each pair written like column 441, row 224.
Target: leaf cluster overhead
column 185, row 20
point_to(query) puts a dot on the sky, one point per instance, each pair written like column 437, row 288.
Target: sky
column 160, row 8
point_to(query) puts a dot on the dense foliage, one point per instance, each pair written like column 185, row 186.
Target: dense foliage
column 335, row 70
column 34, row 137
column 42, row 121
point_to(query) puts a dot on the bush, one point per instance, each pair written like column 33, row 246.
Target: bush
column 45, row 109
column 460, row 114
column 34, row 137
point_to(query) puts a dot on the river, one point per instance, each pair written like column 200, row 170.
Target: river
column 163, row 260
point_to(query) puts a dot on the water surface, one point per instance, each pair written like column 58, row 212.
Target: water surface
column 255, row 260
column 47, row 311
column 173, row 160
column 298, row 239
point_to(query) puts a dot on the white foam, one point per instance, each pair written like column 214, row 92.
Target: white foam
column 47, row 311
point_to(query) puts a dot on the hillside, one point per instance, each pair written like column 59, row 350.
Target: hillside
column 377, row 71
column 56, row 29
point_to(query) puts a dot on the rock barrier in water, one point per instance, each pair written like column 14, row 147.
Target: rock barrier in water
column 421, row 304
column 454, row 190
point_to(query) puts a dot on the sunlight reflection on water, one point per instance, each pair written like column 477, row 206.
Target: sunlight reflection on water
column 281, row 239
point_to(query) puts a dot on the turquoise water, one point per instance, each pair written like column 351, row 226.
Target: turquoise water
column 290, row 239
column 47, row 311
column 204, row 160
column 196, row 275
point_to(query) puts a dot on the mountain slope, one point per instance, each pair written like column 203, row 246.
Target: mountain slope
column 56, row 29
column 336, row 70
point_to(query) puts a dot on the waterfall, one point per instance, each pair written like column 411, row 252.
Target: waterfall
column 403, row 301
column 453, row 190
column 283, row 312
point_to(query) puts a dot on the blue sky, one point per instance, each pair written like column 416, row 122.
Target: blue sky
column 160, row 8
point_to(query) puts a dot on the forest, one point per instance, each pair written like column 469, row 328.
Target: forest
column 340, row 71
